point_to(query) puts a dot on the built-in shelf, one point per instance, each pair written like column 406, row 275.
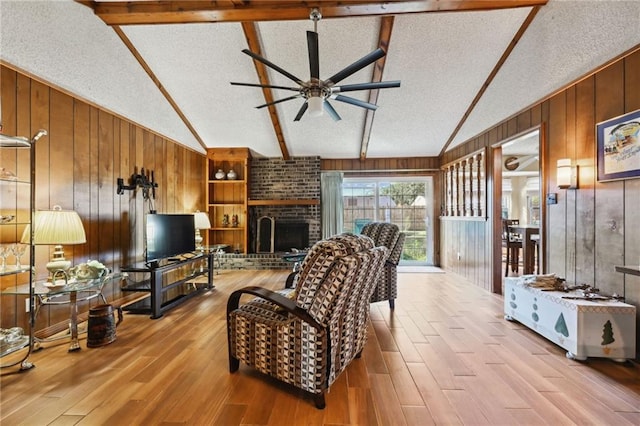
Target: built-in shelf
column 227, row 198
column 297, row 202
column 223, row 181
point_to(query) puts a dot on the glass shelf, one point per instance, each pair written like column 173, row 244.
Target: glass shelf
column 14, row 141
column 9, row 348
column 14, row 219
column 13, row 270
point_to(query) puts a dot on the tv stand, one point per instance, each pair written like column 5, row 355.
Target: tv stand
column 164, row 296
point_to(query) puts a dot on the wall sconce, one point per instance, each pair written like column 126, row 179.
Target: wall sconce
column 567, row 175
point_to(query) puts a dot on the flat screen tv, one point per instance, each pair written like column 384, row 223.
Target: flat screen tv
column 169, row 235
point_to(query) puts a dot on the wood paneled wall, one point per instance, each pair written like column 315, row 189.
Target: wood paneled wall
column 78, row 163
column 391, row 164
column 591, row 229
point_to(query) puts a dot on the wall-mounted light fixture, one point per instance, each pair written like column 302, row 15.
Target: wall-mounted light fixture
column 567, row 175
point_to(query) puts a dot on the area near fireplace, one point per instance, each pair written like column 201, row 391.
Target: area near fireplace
column 288, row 191
column 281, row 236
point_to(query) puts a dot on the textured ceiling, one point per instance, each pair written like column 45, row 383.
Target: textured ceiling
column 442, row 59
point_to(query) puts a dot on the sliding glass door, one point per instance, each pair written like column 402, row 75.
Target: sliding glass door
column 407, row 202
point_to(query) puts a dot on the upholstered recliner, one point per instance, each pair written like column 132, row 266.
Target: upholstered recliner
column 307, row 338
column 387, row 235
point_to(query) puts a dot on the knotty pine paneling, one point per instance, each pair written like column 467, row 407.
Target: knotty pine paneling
column 595, row 227
column 77, row 165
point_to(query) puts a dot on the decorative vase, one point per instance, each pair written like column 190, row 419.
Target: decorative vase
column 220, row 174
column 225, row 220
column 232, row 175
column 234, row 220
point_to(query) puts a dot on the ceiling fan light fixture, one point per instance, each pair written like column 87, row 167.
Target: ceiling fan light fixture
column 316, row 91
column 316, row 107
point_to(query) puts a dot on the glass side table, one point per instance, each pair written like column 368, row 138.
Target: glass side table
column 71, row 293
column 296, row 258
column 217, row 250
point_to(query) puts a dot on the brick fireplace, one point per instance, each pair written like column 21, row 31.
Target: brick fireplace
column 272, row 181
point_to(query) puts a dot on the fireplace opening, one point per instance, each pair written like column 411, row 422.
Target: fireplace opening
column 279, row 236
column 290, row 235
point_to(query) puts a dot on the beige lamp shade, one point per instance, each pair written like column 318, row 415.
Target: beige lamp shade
column 201, row 220
column 56, row 227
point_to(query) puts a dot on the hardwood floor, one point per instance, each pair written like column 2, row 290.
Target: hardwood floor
column 444, row 356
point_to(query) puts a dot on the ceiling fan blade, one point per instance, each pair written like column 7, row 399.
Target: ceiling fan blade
column 356, row 66
column 278, row 101
column 294, row 89
column 332, row 112
column 272, row 65
column 365, row 86
column 356, row 102
column 301, row 111
column 314, row 59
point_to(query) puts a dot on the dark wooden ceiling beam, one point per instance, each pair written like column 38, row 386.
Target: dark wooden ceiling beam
column 491, row 76
column 136, row 54
column 254, row 44
column 181, row 12
column 386, row 26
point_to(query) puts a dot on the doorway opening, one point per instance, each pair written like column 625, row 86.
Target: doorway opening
column 518, row 207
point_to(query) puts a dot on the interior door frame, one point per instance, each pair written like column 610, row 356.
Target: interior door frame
column 496, row 203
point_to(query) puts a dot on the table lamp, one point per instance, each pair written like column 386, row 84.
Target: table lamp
column 201, row 221
column 56, row 227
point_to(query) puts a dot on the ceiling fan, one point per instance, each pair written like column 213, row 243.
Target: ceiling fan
column 316, row 92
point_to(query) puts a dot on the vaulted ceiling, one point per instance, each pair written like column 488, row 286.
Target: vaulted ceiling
column 464, row 65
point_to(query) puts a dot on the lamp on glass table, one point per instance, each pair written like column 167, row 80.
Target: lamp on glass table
column 201, row 221
column 56, row 227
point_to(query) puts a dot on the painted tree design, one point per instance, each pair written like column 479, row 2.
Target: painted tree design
column 561, row 326
column 607, row 334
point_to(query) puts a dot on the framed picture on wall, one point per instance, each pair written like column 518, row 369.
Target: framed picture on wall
column 619, row 147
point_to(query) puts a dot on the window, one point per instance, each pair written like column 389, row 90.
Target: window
column 407, row 202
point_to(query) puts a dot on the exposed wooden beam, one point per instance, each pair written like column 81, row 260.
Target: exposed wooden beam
column 386, row 26
column 136, row 54
column 253, row 41
column 180, row 12
column 491, row 76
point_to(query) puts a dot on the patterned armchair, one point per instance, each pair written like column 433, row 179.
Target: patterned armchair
column 307, row 338
column 387, row 235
